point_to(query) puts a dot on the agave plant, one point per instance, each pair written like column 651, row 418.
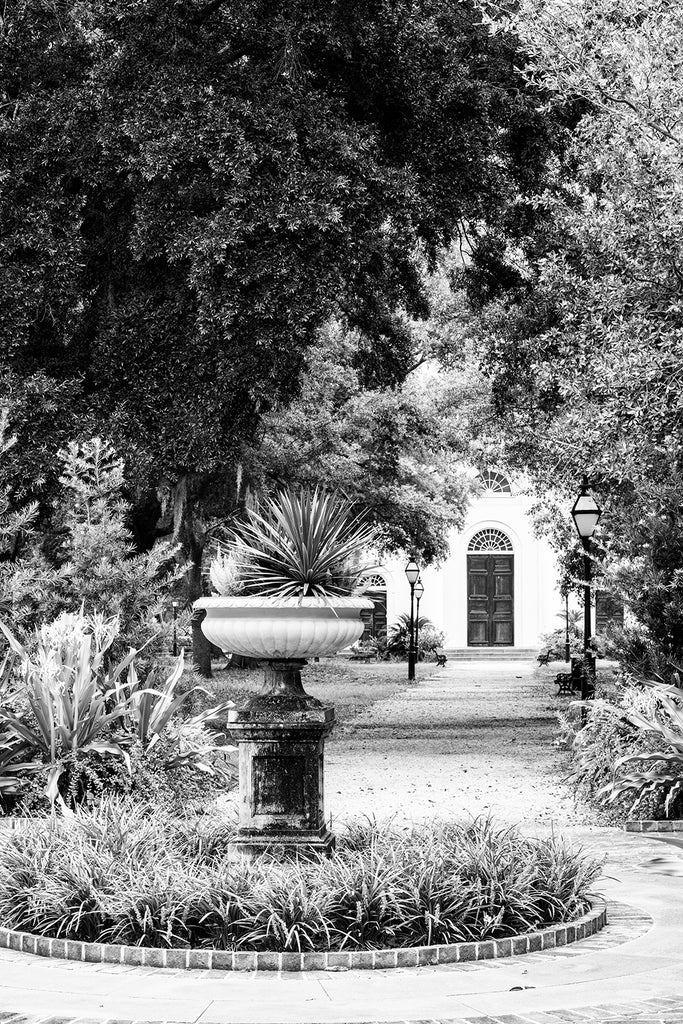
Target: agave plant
column 79, row 704
column 299, row 543
column 61, row 684
column 149, row 709
column 658, row 771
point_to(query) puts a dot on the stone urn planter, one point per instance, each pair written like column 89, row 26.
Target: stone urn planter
column 281, row 731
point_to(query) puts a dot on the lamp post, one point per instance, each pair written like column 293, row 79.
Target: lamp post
column 419, row 591
column 586, row 514
column 412, row 572
column 567, row 647
column 175, row 629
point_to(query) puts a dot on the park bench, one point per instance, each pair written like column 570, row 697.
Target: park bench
column 440, row 656
column 545, row 657
column 567, row 682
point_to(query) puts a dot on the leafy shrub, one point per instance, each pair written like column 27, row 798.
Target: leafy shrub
column 555, row 640
column 638, row 652
column 99, row 567
column 70, row 710
column 372, row 647
column 429, row 639
column 87, row 559
column 610, row 735
column 657, row 771
column 126, row 873
column 15, row 764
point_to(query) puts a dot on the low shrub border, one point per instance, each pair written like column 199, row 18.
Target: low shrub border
column 668, row 825
column 376, row 959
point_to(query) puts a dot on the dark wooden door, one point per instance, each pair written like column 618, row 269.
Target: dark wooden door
column 375, row 619
column 609, row 610
column 490, row 601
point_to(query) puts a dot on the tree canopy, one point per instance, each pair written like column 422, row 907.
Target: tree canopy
column 189, row 192
column 585, row 351
column 401, row 452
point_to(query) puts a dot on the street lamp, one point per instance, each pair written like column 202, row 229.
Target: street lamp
column 419, row 591
column 175, row 629
column 412, row 572
column 567, row 645
column 565, row 590
column 586, row 514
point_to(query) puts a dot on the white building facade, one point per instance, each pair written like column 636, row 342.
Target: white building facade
column 498, row 588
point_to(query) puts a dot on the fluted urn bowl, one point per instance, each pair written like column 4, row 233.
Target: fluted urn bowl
column 282, row 627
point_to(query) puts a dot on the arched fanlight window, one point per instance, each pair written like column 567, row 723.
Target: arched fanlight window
column 495, row 482
column 374, row 582
column 490, row 539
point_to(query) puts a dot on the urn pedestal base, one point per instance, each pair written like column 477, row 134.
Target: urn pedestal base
column 281, row 736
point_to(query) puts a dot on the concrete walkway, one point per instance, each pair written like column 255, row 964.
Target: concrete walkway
column 631, row 971
column 475, row 737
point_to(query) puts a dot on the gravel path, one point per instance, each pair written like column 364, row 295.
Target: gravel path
column 472, row 738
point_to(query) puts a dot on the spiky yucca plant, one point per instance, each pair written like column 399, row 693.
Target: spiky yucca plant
column 297, row 544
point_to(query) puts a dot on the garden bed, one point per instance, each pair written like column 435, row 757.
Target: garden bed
column 125, row 877
column 376, row 959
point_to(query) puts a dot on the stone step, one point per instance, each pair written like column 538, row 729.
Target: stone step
column 492, row 653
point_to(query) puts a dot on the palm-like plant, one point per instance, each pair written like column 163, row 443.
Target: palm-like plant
column 398, row 638
column 659, row 771
column 298, row 544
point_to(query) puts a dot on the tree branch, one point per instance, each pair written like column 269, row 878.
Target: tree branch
column 416, row 366
column 232, row 54
column 201, row 14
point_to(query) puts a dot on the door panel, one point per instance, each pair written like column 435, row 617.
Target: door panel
column 490, row 601
column 479, row 633
column 502, row 634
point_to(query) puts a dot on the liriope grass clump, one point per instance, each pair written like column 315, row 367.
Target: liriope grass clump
column 128, row 874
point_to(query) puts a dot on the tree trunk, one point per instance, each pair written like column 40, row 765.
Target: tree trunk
column 188, row 532
column 201, row 648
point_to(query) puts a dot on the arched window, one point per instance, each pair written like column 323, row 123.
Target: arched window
column 374, row 582
column 490, row 539
column 495, row 482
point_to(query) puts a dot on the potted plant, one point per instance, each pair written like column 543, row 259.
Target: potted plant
column 286, row 579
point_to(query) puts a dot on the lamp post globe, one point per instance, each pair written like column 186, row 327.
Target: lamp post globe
column 586, row 515
column 412, row 571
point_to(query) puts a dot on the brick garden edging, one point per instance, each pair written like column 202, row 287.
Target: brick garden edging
column 669, row 825
column 227, row 960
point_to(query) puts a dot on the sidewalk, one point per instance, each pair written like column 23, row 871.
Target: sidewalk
column 631, row 971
